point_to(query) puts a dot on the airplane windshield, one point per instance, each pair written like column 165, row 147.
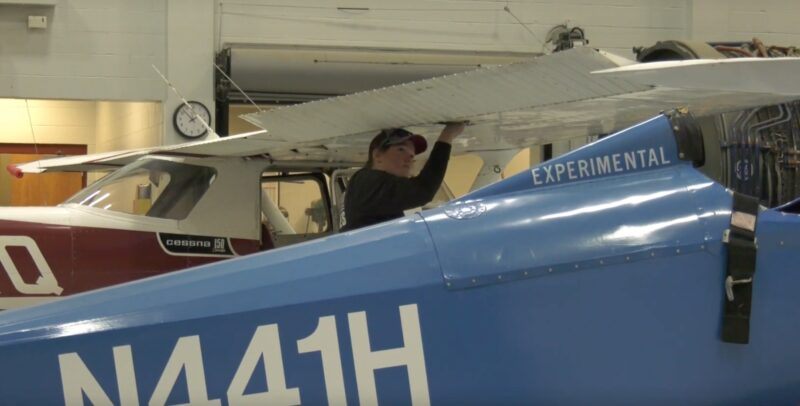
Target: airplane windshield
column 153, row 188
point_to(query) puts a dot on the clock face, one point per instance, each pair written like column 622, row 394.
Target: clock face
column 187, row 120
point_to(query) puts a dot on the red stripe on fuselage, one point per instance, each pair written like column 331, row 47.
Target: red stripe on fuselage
column 86, row 258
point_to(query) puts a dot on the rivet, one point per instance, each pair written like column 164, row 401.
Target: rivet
column 781, row 242
column 550, row 270
column 678, row 250
column 652, row 254
column 525, row 273
column 474, row 281
column 601, row 262
column 627, row 258
column 499, row 276
column 681, row 155
column 448, row 284
column 702, row 247
column 577, row 266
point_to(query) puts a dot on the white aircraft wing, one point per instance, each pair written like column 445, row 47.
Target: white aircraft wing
column 777, row 76
column 105, row 161
column 81, row 163
column 563, row 95
column 574, row 93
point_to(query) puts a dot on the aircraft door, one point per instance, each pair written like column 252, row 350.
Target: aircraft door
column 339, row 181
column 296, row 207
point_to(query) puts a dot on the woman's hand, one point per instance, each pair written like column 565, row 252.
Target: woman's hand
column 451, row 131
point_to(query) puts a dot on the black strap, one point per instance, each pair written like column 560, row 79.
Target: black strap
column 741, row 268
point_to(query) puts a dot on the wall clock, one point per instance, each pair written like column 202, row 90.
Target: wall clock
column 186, row 122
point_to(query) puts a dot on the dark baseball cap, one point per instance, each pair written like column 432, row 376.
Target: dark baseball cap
column 387, row 138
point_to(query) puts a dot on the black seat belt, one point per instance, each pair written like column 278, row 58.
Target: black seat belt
column 741, row 239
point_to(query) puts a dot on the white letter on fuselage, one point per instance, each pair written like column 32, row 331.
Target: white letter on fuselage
column 46, row 284
column 186, row 356
column 411, row 355
column 325, row 340
column 265, row 343
column 76, row 379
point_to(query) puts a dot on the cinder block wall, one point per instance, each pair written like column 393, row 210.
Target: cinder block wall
column 102, row 50
column 773, row 21
column 128, row 125
column 47, row 122
column 91, row 50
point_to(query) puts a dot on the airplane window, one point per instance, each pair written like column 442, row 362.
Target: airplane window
column 299, row 200
column 153, row 188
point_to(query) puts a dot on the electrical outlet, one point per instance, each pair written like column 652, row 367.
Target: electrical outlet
column 37, row 22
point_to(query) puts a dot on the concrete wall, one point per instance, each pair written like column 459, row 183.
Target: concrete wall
column 190, row 56
column 106, row 50
column 128, row 125
column 775, row 22
column 91, row 49
column 48, row 122
column 102, row 50
column 101, row 126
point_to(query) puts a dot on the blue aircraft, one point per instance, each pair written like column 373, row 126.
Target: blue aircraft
column 617, row 273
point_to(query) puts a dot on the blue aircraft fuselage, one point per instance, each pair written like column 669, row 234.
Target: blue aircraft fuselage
column 597, row 277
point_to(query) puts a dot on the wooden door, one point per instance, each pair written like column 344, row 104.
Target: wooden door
column 46, row 189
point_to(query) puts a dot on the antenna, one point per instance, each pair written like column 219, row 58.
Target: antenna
column 508, row 10
column 238, row 88
column 186, row 103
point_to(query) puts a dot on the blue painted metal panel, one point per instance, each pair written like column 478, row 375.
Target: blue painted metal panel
column 647, row 146
column 667, row 212
column 398, row 254
column 635, row 331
